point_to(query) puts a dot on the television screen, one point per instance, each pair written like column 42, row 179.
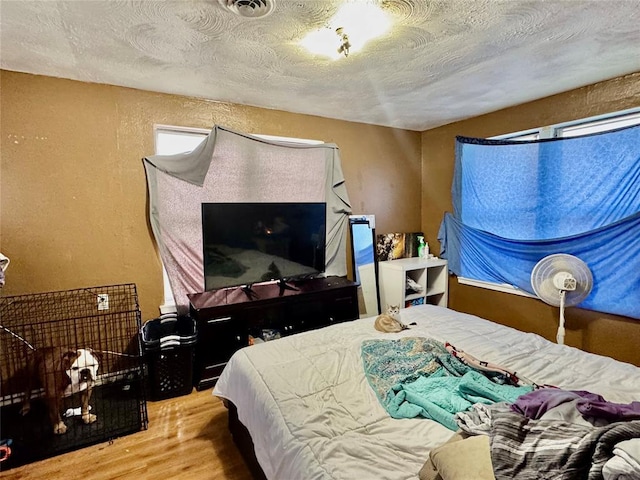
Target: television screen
column 247, row 243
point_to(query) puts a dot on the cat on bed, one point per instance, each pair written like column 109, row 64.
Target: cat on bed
column 389, row 322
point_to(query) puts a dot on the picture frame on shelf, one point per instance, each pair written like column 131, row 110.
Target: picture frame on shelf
column 391, row 246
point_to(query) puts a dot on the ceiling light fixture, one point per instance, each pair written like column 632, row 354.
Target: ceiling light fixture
column 344, row 42
column 362, row 19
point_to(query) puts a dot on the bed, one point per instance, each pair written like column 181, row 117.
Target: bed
column 312, row 413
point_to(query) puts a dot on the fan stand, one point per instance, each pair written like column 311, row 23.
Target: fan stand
column 555, row 275
column 561, row 330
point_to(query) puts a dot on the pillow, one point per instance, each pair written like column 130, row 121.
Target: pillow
column 428, row 470
column 468, row 459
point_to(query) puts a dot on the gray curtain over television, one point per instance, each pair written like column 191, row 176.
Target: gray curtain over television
column 230, row 166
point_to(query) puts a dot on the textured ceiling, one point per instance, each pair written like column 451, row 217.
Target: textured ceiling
column 442, row 61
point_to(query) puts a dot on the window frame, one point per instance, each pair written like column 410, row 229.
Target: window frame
column 615, row 120
column 168, row 302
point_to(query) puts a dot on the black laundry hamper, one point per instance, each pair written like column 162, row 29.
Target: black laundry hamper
column 169, row 347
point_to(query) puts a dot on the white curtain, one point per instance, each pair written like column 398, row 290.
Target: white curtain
column 231, row 166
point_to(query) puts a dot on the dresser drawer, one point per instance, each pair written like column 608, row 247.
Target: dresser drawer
column 220, row 337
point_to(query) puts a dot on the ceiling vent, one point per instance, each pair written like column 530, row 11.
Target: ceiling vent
column 249, row 8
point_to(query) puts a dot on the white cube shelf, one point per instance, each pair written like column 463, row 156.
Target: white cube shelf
column 430, row 274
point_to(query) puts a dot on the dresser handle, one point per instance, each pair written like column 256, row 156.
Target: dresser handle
column 216, row 365
column 218, row 320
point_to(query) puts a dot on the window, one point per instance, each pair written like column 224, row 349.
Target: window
column 599, row 125
column 575, row 128
column 521, row 136
column 170, row 140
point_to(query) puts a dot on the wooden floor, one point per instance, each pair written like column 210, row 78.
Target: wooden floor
column 187, row 438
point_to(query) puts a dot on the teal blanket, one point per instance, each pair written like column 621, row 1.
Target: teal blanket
column 417, row 376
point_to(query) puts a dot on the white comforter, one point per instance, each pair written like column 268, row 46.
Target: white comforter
column 312, row 414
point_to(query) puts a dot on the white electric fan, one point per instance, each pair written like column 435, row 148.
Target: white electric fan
column 561, row 280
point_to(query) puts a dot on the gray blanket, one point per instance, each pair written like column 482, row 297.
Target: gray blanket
column 526, row 449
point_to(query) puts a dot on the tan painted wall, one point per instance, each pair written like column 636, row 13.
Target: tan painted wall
column 73, row 209
column 610, row 335
column 73, row 205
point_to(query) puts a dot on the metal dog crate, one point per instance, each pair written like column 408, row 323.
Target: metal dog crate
column 169, row 347
column 104, row 319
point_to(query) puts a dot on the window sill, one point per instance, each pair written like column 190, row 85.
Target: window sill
column 499, row 287
column 168, row 308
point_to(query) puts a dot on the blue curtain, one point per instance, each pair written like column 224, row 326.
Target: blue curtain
column 516, row 202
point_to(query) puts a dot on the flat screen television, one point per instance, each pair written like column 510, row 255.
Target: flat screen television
column 248, row 243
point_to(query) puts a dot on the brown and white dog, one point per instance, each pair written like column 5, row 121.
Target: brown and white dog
column 61, row 373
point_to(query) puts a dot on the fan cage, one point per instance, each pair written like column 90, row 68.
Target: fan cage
column 542, row 279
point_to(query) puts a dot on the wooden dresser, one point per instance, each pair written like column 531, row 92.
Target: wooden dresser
column 227, row 317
